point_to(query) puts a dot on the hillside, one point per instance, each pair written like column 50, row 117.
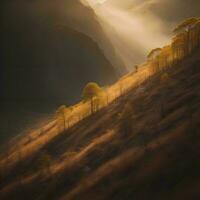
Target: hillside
column 144, row 145
column 49, row 52
column 40, row 51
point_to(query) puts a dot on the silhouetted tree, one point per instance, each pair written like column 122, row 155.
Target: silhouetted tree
column 136, row 68
column 185, row 27
column 107, row 96
column 90, row 92
column 60, row 114
column 154, row 53
column 195, row 35
column 153, row 57
column 178, row 47
column 165, row 56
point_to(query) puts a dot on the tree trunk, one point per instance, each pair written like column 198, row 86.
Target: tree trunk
column 92, row 105
column 64, row 121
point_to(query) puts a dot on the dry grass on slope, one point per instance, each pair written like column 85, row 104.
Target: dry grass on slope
column 143, row 146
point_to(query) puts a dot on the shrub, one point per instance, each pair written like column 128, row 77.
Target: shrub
column 92, row 92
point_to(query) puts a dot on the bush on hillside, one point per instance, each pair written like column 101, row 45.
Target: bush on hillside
column 92, row 92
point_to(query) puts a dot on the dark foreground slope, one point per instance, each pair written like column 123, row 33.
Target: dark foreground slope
column 143, row 146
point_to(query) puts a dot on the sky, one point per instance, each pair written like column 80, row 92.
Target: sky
column 137, row 26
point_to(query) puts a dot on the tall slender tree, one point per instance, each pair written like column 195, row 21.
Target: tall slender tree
column 185, row 27
column 153, row 58
column 61, row 115
column 178, row 47
column 165, row 56
column 153, row 53
column 195, row 35
column 91, row 92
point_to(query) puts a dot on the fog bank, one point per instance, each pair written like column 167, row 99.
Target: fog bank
column 136, row 26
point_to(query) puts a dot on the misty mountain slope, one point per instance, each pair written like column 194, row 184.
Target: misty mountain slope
column 145, row 145
column 81, row 17
column 48, row 55
column 142, row 25
column 41, row 58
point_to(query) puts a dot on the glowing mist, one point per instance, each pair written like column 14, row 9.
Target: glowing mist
column 132, row 35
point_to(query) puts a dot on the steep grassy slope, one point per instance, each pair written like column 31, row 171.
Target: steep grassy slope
column 145, row 145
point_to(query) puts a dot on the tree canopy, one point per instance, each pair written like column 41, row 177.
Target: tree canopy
column 185, row 25
column 153, row 53
column 60, row 114
column 91, row 90
column 61, row 109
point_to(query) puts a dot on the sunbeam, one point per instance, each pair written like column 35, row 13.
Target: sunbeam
column 132, row 34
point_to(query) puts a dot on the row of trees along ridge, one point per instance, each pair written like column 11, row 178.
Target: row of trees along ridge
column 186, row 39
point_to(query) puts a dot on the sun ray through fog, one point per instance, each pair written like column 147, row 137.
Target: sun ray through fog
column 132, row 34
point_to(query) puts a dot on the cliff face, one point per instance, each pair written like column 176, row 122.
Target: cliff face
column 45, row 55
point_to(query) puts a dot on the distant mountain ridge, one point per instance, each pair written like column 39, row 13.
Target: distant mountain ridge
column 43, row 49
column 49, row 51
